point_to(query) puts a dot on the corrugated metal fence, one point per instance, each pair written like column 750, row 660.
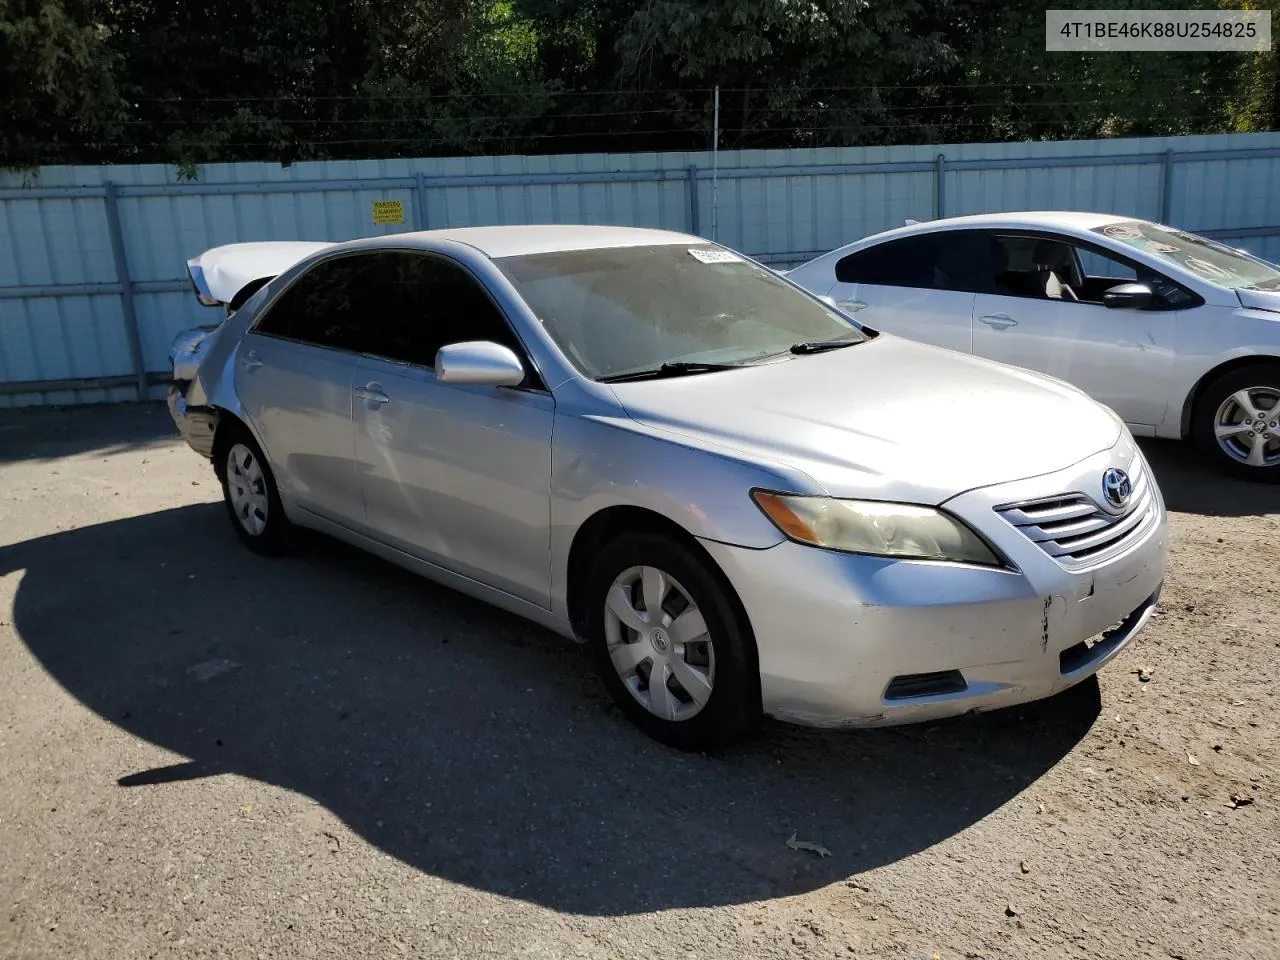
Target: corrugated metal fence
column 92, row 259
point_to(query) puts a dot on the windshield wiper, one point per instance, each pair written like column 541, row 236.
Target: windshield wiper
column 675, row 368
column 821, row 346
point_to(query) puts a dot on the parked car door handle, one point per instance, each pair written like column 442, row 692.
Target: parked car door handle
column 373, row 393
column 999, row 320
column 250, row 361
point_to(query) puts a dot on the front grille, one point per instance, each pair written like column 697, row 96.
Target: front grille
column 1075, row 530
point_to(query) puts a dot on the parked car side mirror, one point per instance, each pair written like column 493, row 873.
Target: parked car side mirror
column 1128, row 296
column 479, row 363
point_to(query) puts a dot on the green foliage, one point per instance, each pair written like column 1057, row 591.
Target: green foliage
column 190, row 82
column 59, row 94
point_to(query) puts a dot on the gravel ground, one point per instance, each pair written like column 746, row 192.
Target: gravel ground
column 206, row 753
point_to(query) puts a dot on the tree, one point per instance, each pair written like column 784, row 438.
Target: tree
column 59, row 101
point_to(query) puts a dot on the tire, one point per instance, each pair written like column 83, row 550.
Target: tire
column 711, row 690
column 249, row 492
column 1222, row 421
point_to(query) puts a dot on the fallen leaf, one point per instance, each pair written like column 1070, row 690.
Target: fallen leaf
column 246, row 809
column 809, row 845
column 1192, row 760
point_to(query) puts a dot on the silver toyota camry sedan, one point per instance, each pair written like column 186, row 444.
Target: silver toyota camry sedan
column 743, row 500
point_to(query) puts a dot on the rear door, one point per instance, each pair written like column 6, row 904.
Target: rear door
column 920, row 287
column 456, row 475
column 294, row 373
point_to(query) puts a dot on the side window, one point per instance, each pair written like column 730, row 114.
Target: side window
column 950, row 260
column 326, row 306
column 425, row 302
column 1047, row 267
column 1096, row 264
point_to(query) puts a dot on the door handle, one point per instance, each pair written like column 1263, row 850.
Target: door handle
column 853, row 306
column 372, row 393
column 250, row 360
column 1000, row 321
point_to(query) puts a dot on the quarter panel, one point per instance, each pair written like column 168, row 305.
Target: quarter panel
column 1207, row 338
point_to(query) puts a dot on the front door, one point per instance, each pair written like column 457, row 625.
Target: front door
column 1047, row 315
column 456, row 475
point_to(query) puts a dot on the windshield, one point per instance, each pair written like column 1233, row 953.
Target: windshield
column 1215, row 262
column 619, row 310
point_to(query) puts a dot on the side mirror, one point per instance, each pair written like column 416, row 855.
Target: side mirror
column 1128, row 296
column 479, row 363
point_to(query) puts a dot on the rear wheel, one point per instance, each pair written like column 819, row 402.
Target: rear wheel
column 1237, row 422
column 674, row 651
column 249, row 491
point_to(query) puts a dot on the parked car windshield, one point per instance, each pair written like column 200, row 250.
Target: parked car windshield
column 618, row 310
column 1215, row 262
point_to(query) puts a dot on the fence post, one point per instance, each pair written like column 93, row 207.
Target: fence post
column 126, row 286
column 695, row 214
column 1166, row 186
column 420, row 200
column 940, row 187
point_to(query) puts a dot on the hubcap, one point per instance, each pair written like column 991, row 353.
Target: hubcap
column 659, row 644
column 1245, row 426
column 247, row 488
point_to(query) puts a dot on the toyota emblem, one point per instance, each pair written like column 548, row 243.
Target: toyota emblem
column 1117, row 488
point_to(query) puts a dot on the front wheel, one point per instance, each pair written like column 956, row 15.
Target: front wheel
column 672, row 647
column 249, row 491
column 1236, row 422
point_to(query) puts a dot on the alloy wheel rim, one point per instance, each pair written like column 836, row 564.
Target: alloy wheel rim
column 659, row 643
column 1247, row 426
column 247, row 488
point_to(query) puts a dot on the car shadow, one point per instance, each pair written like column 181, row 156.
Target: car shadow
column 472, row 745
column 1191, row 484
column 49, row 433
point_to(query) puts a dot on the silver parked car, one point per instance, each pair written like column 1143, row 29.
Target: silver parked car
column 742, row 499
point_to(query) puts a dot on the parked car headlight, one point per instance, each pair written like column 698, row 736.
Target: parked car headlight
column 874, row 527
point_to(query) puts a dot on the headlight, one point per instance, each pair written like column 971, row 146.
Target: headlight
column 873, row 527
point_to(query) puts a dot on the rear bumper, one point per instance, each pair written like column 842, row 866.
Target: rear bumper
column 197, row 425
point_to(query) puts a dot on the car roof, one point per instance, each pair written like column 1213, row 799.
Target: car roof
column 513, row 241
column 1016, row 220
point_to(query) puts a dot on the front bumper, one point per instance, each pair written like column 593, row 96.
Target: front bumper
column 197, row 425
column 848, row 640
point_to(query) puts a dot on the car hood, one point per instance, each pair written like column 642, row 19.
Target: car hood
column 888, row 419
column 1260, row 299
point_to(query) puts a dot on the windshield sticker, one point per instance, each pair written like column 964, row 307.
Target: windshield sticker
column 1205, row 268
column 1155, row 247
column 714, row 256
column 1122, row 231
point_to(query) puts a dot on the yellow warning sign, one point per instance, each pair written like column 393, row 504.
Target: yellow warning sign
column 388, row 211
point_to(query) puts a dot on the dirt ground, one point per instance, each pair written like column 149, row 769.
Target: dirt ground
column 205, row 753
